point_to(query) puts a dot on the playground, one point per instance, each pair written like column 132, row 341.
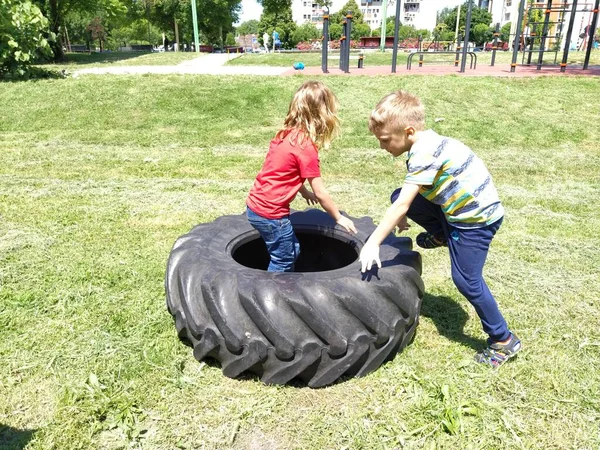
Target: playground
column 99, row 175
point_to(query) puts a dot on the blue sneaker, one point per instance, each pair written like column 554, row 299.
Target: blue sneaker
column 497, row 354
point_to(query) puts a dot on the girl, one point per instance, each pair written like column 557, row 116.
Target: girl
column 311, row 124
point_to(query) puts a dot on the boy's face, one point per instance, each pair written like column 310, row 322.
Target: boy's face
column 395, row 141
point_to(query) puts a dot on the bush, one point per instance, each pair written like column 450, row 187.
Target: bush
column 23, row 31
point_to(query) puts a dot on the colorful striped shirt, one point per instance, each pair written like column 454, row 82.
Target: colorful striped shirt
column 451, row 175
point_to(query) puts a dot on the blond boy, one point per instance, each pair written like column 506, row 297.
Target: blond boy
column 449, row 192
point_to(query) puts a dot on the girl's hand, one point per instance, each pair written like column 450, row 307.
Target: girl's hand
column 347, row 224
column 309, row 196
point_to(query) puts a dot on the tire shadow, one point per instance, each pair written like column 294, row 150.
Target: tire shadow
column 449, row 318
column 14, row 439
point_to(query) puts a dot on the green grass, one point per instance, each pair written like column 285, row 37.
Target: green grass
column 374, row 58
column 74, row 61
column 100, row 175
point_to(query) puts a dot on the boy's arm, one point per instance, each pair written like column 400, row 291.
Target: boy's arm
column 391, row 218
column 328, row 205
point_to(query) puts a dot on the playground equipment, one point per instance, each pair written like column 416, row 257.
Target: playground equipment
column 319, row 323
column 548, row 34
column 549, row 40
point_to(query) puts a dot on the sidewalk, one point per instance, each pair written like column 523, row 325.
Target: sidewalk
column 211, row 64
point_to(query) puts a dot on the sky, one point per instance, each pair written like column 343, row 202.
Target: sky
column 252, row 10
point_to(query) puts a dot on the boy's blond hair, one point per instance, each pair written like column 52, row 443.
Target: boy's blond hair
column 398, row 110
column 313, row 110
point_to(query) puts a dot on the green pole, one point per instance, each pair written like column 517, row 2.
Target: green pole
column 195, row 20
column 383, row 24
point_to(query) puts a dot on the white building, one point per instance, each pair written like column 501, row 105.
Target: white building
column 417, row 13
column 308, row 12
column 502, row 10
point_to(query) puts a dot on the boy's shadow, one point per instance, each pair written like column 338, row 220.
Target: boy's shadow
column 449, row 318
column 13, row 439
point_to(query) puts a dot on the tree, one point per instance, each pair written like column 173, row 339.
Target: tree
column 304, row 33
column 505, row 32
column 277, row 15
column 359, row 30
column 97, row 31
column 478, row 15
column 23, row 30
column 340, row 16
column 248, row 27
column 481, row 34
column 57, row 12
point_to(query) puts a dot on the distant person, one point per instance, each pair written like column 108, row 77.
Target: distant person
column 276, row 41
column 266, row 41
column 293, row 158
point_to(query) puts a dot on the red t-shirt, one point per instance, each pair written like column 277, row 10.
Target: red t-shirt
column 285, row 169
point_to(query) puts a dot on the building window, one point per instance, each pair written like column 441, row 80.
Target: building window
column 507, row 16
column 508, row 3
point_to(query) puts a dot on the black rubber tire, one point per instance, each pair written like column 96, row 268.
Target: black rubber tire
column 313, row 325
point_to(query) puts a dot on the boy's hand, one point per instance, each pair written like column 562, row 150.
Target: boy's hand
column 403, row 225
column 368, row 254
column 309, row 196
column 347, row 224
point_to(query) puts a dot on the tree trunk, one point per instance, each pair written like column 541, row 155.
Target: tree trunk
column 55, row 21
column 176, row 33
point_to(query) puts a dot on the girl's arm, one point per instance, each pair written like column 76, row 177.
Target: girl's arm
column 328, row 205
column 309, row 196
column 391, row 218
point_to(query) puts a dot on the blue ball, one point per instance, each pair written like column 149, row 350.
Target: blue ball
column 299, row 66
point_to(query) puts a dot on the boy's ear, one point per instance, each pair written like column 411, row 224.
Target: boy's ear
column 410, row 131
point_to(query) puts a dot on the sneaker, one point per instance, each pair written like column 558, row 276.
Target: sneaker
column 428, row 240
column 497, row 354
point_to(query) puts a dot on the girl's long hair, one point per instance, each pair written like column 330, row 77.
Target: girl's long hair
column 313, row 111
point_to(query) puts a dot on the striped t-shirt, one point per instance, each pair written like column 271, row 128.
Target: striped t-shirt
column 451, row 175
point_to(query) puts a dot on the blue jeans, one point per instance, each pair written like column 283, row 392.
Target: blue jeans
column 468, row 251
column 282, row 244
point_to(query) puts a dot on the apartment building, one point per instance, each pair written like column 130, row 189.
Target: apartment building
column 304, row 11
column 413, row 12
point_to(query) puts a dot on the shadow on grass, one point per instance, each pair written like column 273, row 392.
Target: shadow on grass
column 13, row 439
column 449, row 318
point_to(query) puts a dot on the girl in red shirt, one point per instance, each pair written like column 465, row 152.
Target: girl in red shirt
column 293, row 158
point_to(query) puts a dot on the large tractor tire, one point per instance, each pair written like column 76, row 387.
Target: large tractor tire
column 323, row 321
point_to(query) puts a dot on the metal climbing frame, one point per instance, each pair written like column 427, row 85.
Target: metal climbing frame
column 545, row 39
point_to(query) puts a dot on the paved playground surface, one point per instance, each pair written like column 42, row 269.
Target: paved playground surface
column 214, row 64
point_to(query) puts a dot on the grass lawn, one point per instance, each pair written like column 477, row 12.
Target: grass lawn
column 100, row 175
column 74, row 61
column 385, row 59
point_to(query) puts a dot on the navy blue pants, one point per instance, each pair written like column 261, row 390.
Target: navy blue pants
column 468, row 252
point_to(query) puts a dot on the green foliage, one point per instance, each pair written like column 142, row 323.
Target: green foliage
column 277, row 15
column 304, row 33
column 230, row 39
column 505, row 32
column 248, row 27
column 23, row 38
column 359, row 30
column 340, row 16
column 481, row 33
column 335, row 31
column 478, row 16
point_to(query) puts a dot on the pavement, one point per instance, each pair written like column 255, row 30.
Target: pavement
column 214, row 64
column 211, row 64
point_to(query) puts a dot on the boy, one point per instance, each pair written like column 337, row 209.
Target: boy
column 449, row 192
